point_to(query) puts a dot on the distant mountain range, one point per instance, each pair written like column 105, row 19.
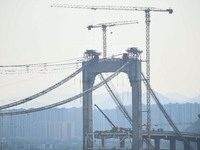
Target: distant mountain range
column 108, row 103
column 105, row 101
column 176, row 97
column 194, row 100
column 194, row 128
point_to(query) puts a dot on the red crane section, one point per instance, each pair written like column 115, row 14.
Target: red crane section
column 105, row 116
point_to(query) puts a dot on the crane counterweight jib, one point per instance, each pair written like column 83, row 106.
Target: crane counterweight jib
column 89, row 27
column 170, row 11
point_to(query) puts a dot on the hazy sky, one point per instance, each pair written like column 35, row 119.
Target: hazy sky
column 33, row 32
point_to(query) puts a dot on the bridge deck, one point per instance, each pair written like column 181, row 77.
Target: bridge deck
column 154, row 134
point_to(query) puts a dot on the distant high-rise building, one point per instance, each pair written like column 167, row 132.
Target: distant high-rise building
column 65, row 123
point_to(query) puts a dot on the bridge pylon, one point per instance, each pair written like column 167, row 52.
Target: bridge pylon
column 133, row 71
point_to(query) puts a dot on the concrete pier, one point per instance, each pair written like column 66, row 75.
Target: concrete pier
column 198, row 144
column 157, row 143
column 172, row 143
column 186, row 146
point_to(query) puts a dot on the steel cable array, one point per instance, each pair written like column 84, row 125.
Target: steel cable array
column 40, row 68
column 164, row 111
column 44, row 91
column 45, row 67
column 42, row 64
column 120, row 105
column 117, row 100
column 67, row 100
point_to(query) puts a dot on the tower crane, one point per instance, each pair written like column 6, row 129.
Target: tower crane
column 104, row 26
column 147, row 11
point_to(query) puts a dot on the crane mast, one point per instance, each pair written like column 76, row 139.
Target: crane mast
column 104, row 26
column 147, row 20
column 104, row 29
column 147, row 11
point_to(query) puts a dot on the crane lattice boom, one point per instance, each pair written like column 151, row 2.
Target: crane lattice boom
column 127, row 8
column 110, row 24
column 104, row 29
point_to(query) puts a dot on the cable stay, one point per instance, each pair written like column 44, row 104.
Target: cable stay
column 67, row 100
column 120, row 105
column 116, row 100
column 164, row 111
column 44, row 91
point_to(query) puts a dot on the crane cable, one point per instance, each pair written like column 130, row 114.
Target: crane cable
column 66, row 100
column 44, row 91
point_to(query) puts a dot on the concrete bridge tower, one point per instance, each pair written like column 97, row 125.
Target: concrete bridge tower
column 133, row 70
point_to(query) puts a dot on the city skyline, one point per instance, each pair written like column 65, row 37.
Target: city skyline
column 33, row 32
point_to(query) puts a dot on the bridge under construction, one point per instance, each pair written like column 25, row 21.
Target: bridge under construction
column 134, row 138
column 130, row 64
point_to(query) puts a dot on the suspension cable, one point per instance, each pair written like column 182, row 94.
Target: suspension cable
column 45, row 68
column 44, row 91
column 117, row 100
column 67, row 100
column 42, row 64
column 164, row 111
column 120, row 105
